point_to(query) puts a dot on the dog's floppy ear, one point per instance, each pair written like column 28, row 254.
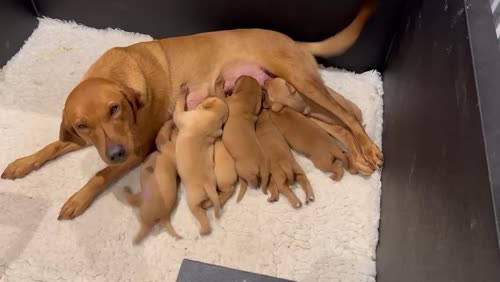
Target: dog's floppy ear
column 68, row 134
column 291, row 89
column 276, row 107
column 134, row 99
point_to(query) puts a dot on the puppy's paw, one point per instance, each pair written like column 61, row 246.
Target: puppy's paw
column 204, row 231
column 20, row 168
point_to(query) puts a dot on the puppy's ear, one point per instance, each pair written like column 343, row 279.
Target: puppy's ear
column 266, row 104
column 276, row 107
column 164, row 134
column 258, row 105
column 68, row 134
column 134, row 99
column 291, row 89
column 219, row 87
column 208, row 104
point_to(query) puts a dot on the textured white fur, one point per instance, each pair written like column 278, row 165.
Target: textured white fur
column 333, row 239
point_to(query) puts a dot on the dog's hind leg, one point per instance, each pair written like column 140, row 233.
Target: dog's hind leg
column 300, row 70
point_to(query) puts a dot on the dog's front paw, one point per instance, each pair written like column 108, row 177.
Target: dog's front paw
column 74, row 206
column 373, row 155
column 19, row 168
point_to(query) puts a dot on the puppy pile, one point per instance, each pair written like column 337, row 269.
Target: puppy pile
column 245, row 136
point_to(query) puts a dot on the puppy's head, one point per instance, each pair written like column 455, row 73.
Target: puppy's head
column 248, row 89
column 282, row 93
column 216, row 105
column 101, row 113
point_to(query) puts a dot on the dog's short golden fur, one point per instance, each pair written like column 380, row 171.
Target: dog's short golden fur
column 198, row 130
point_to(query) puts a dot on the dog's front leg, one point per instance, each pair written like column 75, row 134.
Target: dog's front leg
column 22, row 166
column 79, row 202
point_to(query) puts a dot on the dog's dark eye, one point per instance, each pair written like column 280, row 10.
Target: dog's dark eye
column 82, row 126
column 113, row 110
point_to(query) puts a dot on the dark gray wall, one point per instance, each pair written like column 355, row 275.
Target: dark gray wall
column 437, row 214
column 17, row 22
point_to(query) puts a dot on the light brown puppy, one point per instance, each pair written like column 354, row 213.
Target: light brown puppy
column 239, row 134
column 127, row 94
column 225, row 173
column 198, row 130
column 283, row 166
column 308, row 139
column 280, row 94
column 158, row 186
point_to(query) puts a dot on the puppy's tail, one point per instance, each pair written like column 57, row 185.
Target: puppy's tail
column 264, row 177
column 214, row 197
column 133, row 199
column 170, row 229
column 243, row 190
column 340, row 42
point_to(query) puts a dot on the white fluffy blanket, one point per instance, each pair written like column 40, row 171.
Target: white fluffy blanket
column 333, row 239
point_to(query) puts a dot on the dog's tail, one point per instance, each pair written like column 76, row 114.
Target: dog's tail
column 243, row 190
column 340, row 42
column 214, row 197
column 133, row 199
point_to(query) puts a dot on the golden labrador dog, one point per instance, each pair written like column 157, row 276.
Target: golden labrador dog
column 158, row 186
column 127, row 94
column 283, row 166
column 239, row 135
column 198, row 130
column 280, row 94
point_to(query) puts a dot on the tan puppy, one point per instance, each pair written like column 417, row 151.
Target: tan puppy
column 198, row 130
column 239, row 134
column 281, row 93
column 225, row 173
column 308, row 139
column 283, row 166
column 158, row 186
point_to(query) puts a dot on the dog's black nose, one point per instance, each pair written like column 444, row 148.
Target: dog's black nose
column 116, row 153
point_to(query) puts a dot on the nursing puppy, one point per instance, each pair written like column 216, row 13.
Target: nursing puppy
column 281, row 93
column 198, row 130
column 283, row 166
column 225, row 173
column 158, row 186
column 308, row 139
column 239, row 135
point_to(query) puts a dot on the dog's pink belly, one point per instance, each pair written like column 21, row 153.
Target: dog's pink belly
column 230, row 74
column 233, row 72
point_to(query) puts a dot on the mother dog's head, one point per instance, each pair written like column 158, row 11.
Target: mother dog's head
column 101, row 113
